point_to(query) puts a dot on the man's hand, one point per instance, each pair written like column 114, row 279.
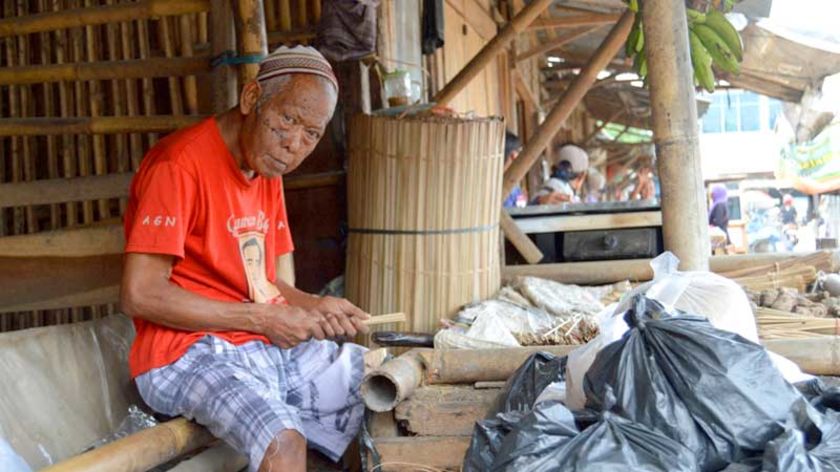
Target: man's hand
column 287, row 326
column 342, row 317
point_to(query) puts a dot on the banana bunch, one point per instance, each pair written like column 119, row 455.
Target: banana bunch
column 712, row 38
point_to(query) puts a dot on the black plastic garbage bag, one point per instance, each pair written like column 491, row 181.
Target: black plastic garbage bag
column 821, row 396
column 712, row 391
column 517, row 399
column 812, row 444
column 526, row 384
column 545, row 442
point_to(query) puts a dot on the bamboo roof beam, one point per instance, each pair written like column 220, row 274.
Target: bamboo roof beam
column 489, row 52
column 94, row 125
column 80, row 17
column 556, row 43
column 575, row 20
column 105, row 70
column 564, row 107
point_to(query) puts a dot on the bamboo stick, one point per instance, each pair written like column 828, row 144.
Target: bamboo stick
column 140, row 451
column 120, row 149
column 224, row 39
column 135, row 141
column 83, row 145
column 389, row 318
column 556, row 43
column 94, row 125
column 563, row 108
column 97, row 103
column 79, row 17
column 302, row 17
column 516, row 25
column 252, row 36
column 105, row 70
column 143, row 51
column 593, row 19
column 18, row 222
column 190, row 85
column 49, row 110
column 316, row 11
column 26, row 109
column 270, row 14
column 285, row 15
column 167, row 42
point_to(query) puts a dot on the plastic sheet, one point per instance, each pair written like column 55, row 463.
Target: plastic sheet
column 682, row 377
column 10, row 461
column 64, row 387
column 136, row 420
column 493, row 324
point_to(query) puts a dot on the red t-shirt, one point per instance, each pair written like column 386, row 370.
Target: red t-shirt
column 190, row 200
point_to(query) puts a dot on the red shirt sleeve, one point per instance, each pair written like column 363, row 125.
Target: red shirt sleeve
column 284, row 244
column 162, row 210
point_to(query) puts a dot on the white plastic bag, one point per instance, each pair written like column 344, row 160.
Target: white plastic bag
column 10, row 461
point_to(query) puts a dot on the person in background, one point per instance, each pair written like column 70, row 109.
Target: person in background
column 567, row 177
column 788, row 213
column 719, row 212
column 595, row 184
column 512, row 147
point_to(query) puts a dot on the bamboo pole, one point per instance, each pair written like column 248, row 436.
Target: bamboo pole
column 520, row 240
column 52, row 191
column 18, row 222
column 94, row 125
column 135, row 140
column 564, row 107
column 49, row 110
column 302, row 18
column 83, row 145
column 140, row 451
column 270, row 14
column 26, row 109
column 596, row 19
column 79, row 17
column 285, row 15
column 97, row 103
column 252, row 35
column 489, row 52
column 556, row 43
column 814, row 355
column 143, row 50
column 190, row 85
column 105, row 70
column 316, row 11
column 168, row 43
column 118, row 99
column 223, row 39
column 685, row 227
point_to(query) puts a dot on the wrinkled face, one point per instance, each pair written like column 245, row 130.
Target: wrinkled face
column 278, row 134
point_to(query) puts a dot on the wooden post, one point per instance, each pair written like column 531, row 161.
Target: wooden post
column 223, row 39
column 496, row 45
column 554, row 121
column 251, row 34
column 685, row 228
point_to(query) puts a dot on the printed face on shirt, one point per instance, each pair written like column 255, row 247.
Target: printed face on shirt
column 252, row 250
column 280, row 133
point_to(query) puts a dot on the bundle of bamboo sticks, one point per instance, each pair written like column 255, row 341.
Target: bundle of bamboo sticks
column 777, row 324
column 796, row 275
column 423, row 201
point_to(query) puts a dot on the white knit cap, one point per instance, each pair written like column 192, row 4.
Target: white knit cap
column 576, row 156
column 296, row 60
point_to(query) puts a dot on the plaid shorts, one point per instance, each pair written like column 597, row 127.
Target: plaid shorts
column 247, row 394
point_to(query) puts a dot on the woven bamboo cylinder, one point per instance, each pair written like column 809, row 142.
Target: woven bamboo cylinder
column 423, row 199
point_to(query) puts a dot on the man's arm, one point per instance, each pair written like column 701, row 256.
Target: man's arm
column 147, row 293
column 344, row 317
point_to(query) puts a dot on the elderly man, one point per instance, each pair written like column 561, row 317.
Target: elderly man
column 220, row 339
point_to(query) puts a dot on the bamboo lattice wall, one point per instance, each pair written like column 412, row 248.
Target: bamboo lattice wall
column 74, row 124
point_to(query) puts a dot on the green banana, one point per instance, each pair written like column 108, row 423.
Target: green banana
column 718, row 22
column 632, row 38
column 695, row 17
column 640, row 41
column 702, row 62
column 717, row 49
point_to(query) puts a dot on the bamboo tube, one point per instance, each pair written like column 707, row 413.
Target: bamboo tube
column 571, row 98
column 190, row 86
column 252, row 36
column 79, row 17
column 94, row 125
column 140, row 451
column 520, row 241
column 105, row 70
column 489, row 52
column 814, row 355
column 396, row 379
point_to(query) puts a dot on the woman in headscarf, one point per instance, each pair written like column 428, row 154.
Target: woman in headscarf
column 719, row 212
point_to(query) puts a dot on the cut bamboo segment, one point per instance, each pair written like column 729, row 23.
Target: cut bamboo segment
column 423, row 219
